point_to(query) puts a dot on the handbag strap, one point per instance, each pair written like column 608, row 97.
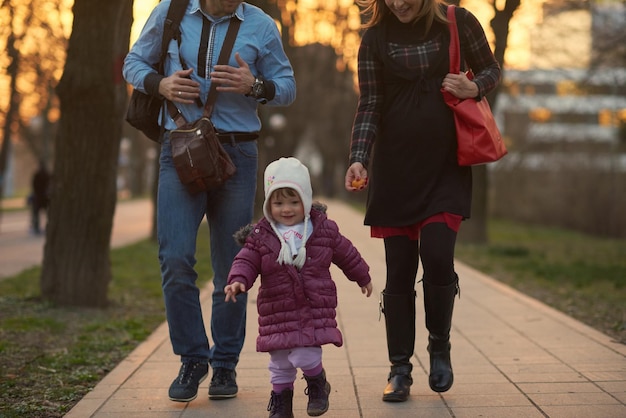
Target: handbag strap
column 227, row 47
column 454, row 49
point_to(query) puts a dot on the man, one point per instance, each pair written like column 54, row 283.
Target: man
column 258, row 72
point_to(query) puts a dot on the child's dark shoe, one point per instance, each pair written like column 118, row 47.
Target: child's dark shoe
column 318, row 390
column 281, row 404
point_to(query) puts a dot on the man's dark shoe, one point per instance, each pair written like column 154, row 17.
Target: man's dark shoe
column 223, row 384
column 318, row 390
column 185, row 387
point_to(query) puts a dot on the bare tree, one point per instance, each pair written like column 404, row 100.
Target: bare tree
column 13, row 105
column 475, row 230
column 326, row 100
column 76, row 266
column 33, row 35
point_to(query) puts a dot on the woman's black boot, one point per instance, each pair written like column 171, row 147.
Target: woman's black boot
column 438, row 305
column 398, row 384
column 399, row 311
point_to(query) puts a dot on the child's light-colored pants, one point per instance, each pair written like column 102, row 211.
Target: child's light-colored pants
column 284, row 363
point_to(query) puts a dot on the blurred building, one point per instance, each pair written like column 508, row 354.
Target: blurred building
column 563, row 117
column 566, row 133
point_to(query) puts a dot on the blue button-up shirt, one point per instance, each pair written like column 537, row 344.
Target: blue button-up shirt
column 258, row 43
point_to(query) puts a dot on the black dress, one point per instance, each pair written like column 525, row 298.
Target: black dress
column 414, row 172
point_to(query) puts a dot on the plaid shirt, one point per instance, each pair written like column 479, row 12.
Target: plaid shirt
column 476, row 52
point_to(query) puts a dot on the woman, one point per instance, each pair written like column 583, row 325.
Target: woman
column 417, row 193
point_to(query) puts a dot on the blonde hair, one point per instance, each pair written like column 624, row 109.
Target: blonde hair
column 374, row 11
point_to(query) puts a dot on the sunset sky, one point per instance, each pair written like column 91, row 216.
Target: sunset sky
column 141, row 11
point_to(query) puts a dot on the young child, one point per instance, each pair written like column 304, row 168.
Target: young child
column 292, row 248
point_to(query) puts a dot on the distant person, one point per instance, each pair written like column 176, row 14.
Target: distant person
column 40, row 196
column 404, row 138
column 292, row 248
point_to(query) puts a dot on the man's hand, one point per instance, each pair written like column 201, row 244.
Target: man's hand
column 180, row 88
column 233, row 79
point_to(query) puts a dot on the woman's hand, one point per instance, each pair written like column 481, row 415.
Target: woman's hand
column 356, row 177
column 233, row 290
column 460, row 86
column 180, row 88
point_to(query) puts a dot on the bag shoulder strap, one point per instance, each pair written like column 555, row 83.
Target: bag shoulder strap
column 454, row 49
column 227, row 47
column 171, row 30
column 171, row 27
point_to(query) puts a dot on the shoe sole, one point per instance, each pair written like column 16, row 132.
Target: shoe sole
column 394, row 397
column 316, row 413
column 193, row 397
column 442, row 389
column 225, row 396
column 183, row 400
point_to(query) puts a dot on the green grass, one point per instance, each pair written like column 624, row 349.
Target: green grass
column 50, row 357
column 581, row 275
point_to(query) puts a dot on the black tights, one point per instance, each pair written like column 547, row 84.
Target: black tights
column 436, row 249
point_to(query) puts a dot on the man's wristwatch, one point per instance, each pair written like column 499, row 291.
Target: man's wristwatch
column 258, row 89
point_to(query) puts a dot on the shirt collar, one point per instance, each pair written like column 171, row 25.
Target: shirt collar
column 239, row 12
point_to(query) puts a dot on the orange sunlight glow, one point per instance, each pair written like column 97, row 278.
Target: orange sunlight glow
column 40, row 43
column 330, row 22
column 141, row 11
column 336, row 23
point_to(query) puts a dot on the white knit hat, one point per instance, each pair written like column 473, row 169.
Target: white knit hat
column 290, row 173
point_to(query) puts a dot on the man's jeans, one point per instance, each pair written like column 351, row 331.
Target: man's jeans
column 179, row 216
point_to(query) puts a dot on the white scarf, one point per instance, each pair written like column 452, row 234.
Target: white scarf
column 293, row 241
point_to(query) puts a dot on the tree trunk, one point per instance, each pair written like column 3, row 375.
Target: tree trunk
column 475, row 230
column 76, row 267
column 500, row 27
column 12, row 109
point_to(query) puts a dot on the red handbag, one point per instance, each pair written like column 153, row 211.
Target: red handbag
column 478, row 137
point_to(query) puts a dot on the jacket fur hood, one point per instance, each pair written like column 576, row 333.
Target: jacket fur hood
column 241, row 235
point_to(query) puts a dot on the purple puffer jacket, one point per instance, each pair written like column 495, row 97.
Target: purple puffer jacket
column 297, row 308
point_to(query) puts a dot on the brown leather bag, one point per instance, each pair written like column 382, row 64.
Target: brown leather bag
column 201, row 162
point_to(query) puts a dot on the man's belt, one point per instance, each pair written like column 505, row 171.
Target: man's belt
column 232, row 137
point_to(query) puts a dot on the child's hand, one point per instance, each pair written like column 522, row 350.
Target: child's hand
column 233, row 290
column 367, row 289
